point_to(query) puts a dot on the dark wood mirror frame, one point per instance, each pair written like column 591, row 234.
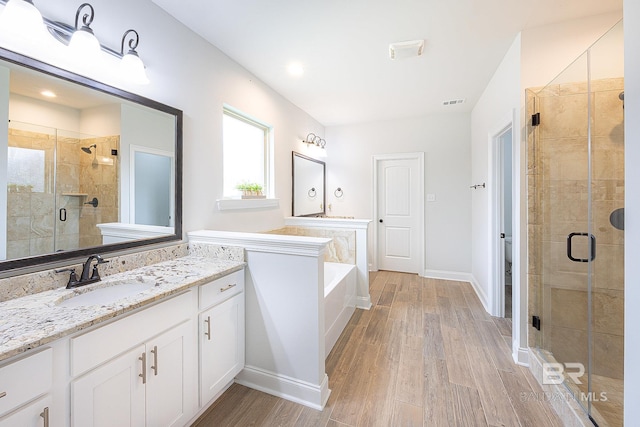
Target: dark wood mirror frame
column 320, row 212
column 51, row 70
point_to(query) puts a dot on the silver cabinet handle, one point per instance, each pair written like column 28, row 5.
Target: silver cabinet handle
column 143, row 375
column 227, row 288
column 45, row 416
column 3, row 394
column 208, row 333
column 155, row 360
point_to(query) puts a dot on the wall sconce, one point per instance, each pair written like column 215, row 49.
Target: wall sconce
column 83, row 41
column 131, row 63
column 314, row 139
column 80, row 38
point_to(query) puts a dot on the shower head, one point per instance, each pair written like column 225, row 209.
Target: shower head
column 88, row 149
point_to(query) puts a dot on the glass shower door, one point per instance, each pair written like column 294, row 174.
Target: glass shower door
column 576, row 182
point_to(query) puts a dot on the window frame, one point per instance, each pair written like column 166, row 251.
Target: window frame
column 267, row 148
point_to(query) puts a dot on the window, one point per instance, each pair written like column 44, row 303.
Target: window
column 26, row 169
column 245, row 152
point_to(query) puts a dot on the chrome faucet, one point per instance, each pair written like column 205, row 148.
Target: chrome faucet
column 85, row 279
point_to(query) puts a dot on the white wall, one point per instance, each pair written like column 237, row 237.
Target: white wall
column 548, row 50
column 188, row 73
column 445, row 140
column 34, row 111
column 632, row 212
column 497, row 106
column 100, row 121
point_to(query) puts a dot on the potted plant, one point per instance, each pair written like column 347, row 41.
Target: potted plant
column 250, row 190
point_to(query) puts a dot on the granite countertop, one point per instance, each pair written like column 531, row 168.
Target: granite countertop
column 34, row 320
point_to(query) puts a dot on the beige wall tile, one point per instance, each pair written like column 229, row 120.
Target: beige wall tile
column 569, row 308
column 608, row 312
column 608, row 355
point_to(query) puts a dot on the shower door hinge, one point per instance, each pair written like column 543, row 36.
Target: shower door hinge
column 536, row 322
column 535, row 119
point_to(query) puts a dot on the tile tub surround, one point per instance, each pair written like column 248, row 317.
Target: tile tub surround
column 28, row 284
column 35, row 320
column 341, row 249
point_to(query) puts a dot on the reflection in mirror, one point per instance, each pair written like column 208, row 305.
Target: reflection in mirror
column 87, row 165
column 308, row 186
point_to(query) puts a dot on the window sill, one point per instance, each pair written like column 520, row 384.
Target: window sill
column 241, row 204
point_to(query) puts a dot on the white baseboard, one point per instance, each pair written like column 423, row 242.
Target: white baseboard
column 363, row 302
column 313, row 396
column 460, row 277
column 520, row 356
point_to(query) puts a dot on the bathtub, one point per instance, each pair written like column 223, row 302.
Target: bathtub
column 339, row 300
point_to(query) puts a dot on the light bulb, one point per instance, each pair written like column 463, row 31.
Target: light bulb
column 132, row 69
column 84, row 42
column 21, row 18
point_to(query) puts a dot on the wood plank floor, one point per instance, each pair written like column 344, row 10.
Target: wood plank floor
column 426, row 354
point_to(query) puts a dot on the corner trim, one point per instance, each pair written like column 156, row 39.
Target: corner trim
column 311, row 395
column 240, row 204
column 273, row 243
column 326, row 222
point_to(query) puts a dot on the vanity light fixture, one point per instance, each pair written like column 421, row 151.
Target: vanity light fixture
column 131, row 64
column 22, row 19
column 314, row 139
column 83, row 40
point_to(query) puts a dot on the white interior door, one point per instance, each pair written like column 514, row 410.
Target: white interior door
column 400, row 204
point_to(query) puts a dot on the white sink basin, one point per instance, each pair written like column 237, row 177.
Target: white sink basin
column 105, row 295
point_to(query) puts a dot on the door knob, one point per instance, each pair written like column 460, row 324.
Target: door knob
column 381, row 221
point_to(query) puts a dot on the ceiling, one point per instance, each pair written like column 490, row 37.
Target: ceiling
column 343, row 47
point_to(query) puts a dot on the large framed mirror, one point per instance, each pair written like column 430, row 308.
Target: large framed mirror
column 308, row 193
column 86, row 167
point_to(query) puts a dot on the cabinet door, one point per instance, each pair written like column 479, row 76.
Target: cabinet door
column 167, row 388
column 221, row 346
column 112, row 394
column 33, row 415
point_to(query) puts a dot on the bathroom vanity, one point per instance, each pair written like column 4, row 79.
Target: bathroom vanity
column 158, row 354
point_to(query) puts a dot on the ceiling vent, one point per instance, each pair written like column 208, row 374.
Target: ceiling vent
column 453, row 102
column 408, row 49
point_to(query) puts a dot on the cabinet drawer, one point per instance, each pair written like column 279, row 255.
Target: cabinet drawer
column 35, row 414
column 25, row 379
column 219, row 290
column 96, row 347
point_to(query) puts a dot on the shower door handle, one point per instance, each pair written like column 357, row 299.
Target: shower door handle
column 592, row 247
column 63, row 214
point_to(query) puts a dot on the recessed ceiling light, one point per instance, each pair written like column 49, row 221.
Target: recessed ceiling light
column 48, row 94
column 408, row 49
column 295, row 69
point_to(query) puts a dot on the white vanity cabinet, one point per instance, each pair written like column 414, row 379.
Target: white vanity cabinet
column 221, row 325
column 23, row 381
column 153, row 383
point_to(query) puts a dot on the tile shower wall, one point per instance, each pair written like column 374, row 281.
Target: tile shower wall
column 342, row 247
column 32, row 215
column 557, row 185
